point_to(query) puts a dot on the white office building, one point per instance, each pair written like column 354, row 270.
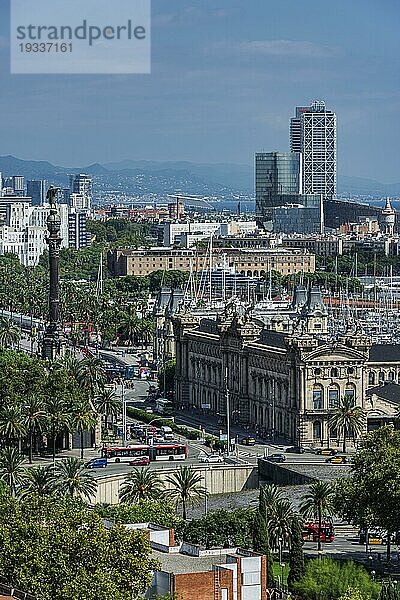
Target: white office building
column 313, row 133
column 174, row 233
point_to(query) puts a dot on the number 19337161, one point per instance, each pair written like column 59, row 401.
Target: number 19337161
column 45, row 47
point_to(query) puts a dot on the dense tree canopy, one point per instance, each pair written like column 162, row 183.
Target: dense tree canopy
column 370, row 496
column 59, row 550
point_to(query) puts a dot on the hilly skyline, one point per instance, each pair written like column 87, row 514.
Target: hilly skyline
column 207, row 179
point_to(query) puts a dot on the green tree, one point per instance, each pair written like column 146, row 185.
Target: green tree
column 71, row 479
column 347, row 419
column 296, row 554
column 261, row 535
column 34, row 420
column 224, row 528
column 92, row 374
column 141, row 484
column 12, row 426
column 370, row 496
column 280, row 520
column 83, row 418
column 38, row 480
column 159, row 511
column 108, row 404
column 9, row 333
column 327, row 579
column 12, row 471
column 58, row 418
column 318, row 502
column 58, row 549
column 185, row 487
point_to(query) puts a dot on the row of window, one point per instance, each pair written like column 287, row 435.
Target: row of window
column 333, row 397
column 375, row 378
column 334, row 372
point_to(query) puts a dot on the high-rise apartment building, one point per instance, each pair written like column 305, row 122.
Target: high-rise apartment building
column 37, row 189
column 82, row 184
column 313, row 134
column 18, row 185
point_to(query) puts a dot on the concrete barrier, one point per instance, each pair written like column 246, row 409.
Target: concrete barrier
column 282, row 474
column 216, row 479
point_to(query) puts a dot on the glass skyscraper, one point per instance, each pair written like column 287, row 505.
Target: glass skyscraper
column 277, row 174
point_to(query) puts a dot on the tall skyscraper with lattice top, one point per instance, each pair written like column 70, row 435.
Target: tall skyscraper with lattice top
column 313, row 133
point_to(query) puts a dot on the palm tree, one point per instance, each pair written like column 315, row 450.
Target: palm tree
column 185, row 487
column 317, row 502
column 269, row 495
column 34, row 419
column 71, row 479
column 12, row 471
column 83, row 418
column 58, row 417
column 130, row 326
column 9, row 333
column 280, row 522
column 12, row 425
column 347, row 418
column 92, row 374
column 141, row 484
column 108, row 404
column 38, row 480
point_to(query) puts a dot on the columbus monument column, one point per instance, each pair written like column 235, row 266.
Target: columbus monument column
column 54, row 339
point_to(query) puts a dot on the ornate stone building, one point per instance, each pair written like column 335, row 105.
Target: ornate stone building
column 283, row 381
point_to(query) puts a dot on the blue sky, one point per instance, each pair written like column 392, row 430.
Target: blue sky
column 226, row 76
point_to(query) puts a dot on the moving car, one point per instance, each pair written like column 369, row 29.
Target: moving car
column 326, row 451
column 140, row 461
column 337, row 460
column 295, row 450
column 249, row 440
column 278, row 458
column 167, row 432
column 211, row 458
column 96, row 463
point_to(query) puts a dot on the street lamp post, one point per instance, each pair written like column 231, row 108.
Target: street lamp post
column 123, row 412
column 228, row 419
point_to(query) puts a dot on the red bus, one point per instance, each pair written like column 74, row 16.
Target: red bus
column 157, row 452
column 310, row 531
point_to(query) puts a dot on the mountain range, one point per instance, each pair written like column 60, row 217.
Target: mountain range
column 208, row 179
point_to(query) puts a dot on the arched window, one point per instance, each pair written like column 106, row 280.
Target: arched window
column 371, row 378
column 318, row 398
column 391, row 376
column 381, row 376
column 350, row 394
column 317, row 430
column 333, row 397
column 334, row 372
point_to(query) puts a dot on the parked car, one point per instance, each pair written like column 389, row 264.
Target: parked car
column 326, row 451
column 96, row 463
column 249, row 440
column 278, row 458
column 337, row 460
column 295, row 450
column 140, row 461
column 211, row 458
